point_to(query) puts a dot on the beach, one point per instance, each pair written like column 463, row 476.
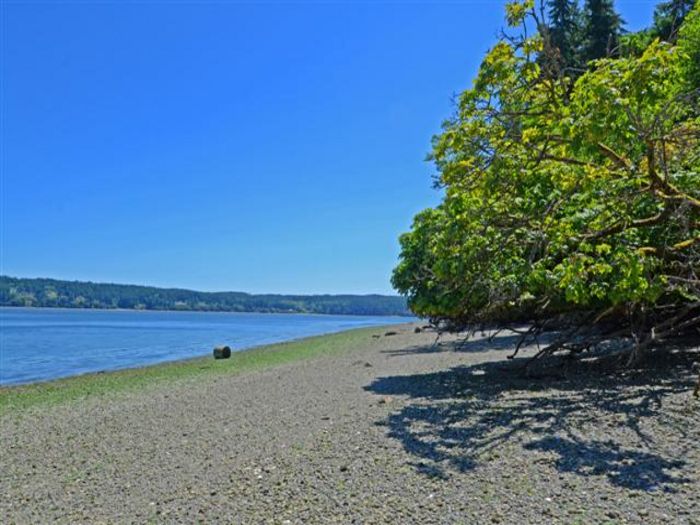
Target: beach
column 375, row 425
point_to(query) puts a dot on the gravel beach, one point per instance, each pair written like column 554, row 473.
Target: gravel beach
column 393, row 429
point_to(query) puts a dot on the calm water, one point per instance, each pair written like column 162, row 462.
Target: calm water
column 42, row 343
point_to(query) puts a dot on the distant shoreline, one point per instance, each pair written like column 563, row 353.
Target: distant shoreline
column 55, row 293
column 407, row 316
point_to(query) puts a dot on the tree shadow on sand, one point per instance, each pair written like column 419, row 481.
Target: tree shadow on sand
column 472, row 344
column 589, row 423
column 480, row 342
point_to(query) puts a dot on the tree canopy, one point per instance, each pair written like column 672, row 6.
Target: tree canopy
column 565, row 33
column 75, row 294
column 669, row 16
column 602, row 29
column 568, row 202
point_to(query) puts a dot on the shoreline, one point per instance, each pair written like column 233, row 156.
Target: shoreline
column 56, row 357
column 18, row 396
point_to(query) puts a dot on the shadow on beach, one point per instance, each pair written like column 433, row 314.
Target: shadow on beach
column 481, row 344
column 484, row 342
column 587, row 423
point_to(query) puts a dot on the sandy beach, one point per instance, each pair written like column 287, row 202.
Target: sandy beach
column 384, row 429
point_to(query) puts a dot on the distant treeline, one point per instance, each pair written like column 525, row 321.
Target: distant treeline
column 74, row 294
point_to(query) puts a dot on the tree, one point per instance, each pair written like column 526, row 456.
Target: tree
column 570, row 209
column 668, row 18
column 689, row 47
column 564, row 33
column 602, row 26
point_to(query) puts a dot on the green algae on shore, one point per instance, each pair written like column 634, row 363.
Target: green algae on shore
column 14, row 399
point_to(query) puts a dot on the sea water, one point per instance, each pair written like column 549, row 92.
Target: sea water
column 38, row 344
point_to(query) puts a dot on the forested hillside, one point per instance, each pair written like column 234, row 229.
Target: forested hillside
column 571, row 174
column 75, row 294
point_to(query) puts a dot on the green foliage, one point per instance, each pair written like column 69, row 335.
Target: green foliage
column 602, row 26
column 689, row 47
column 668, row 18
column 517, row 10
column 565, row 32
column 74, row 294
column 634, row 44
column 564, row 199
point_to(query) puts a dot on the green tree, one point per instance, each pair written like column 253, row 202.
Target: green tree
column 564, row 33
column 689, row 47
column 669, row 16
column 576, row 209
column 602, row 26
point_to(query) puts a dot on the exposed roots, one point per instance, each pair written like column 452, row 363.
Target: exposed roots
column 622, row 339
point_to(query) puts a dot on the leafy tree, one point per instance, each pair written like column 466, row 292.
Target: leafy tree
column 577, row 209
column 602, row 27
column 634, row 44
column 669, row 16
column 564, row 33
column 689, row 47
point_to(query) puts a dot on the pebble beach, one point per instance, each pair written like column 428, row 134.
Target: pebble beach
column 392, row 428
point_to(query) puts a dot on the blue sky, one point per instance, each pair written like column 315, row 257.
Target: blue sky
column 262, row 147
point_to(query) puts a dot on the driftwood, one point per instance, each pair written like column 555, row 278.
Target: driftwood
column 222, row 352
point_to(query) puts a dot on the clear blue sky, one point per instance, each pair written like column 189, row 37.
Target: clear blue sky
column 263, row 147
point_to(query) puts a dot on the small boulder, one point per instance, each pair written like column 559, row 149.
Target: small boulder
column 417, row 330
column 389, row 333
